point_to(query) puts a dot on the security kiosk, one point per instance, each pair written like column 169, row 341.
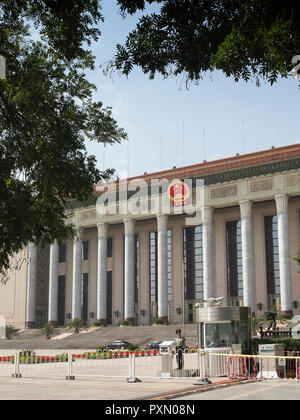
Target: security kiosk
column 167, row 350
column 223, row 326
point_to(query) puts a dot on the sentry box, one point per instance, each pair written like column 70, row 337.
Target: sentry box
column 224, row 326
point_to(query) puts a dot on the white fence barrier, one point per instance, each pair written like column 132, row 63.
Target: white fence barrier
column 208, row 363
column 99, row 364
column 217, row 361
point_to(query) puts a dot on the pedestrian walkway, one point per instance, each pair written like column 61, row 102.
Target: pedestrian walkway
column 92, row 389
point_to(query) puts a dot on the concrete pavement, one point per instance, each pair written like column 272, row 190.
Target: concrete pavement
column 272, row 390
column 89, row 388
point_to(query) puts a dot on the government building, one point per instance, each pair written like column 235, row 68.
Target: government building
column 135, row 260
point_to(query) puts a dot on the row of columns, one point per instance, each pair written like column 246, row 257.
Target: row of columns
column 162, row 221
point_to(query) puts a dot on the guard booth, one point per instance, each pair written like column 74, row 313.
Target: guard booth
column 224, row 326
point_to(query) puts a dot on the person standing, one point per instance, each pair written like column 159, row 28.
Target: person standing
column 180, row 346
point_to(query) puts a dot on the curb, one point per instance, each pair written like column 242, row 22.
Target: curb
column 203, row 388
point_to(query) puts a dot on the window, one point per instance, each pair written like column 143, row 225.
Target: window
column 84, row 296
column 153, row 266
column 109, row 247
column 136, row 268
column 61, row 300
column 62, row 253
column 109, row 298
column 193, row 262
column 272, row 255
column 153, row 275
column 85, row 250
column 234, row 259
column 136, row 272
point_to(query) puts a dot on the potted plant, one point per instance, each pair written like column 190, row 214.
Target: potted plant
column 257, row 323
column 78, row 324
column 125, row 323
column 48, row 330
column 158, row 321
column 97, row 324
column 11, row 332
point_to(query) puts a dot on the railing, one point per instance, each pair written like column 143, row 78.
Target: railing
column 275, row 333
column 133, row 366
column 263, row 367
column 113, row 364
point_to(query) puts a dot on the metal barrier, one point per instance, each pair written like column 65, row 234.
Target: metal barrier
column 135, row 366
column 40, row 366
column 114, row 364
column 111, row 364
column 197, row 364
column 263, row 367
column 217, row 361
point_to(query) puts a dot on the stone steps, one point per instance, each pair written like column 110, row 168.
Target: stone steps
column 30, row 339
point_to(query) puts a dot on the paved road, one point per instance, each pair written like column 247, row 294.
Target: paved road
column 89, row 388
column 266, row 390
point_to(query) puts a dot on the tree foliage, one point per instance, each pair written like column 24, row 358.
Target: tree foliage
column 47, row 113
column 246, row 39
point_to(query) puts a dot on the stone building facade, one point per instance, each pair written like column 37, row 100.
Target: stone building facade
column 240, row 244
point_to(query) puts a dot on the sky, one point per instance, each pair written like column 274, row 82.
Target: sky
column 166, row 123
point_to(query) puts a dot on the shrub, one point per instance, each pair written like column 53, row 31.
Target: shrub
column 159, row 321
column 290, row 344
column 101, row 348
column 97, row 324
column 257, row 322
column 78, row 324
column 133, row 347
column 27, row 353
column 11, row 332
column 48, row 330
column 125, row 323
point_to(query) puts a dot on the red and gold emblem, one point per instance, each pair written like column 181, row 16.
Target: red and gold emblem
column 179, row 193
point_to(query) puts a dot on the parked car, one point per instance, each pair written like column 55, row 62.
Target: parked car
column 118, row 344
column 153, row 346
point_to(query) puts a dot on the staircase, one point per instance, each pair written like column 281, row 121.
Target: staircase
column 30, row 339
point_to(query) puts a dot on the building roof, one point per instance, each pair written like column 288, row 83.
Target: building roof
column 234, row 167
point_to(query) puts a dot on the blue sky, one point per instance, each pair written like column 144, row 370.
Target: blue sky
column 153, row 109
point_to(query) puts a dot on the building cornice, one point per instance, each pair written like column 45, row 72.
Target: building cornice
column 219, row 177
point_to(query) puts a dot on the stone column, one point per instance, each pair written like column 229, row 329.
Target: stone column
column 247, row 254
column 208, row 251
column 129, row 271
column 31, row 286
column 284, row 253
column 77, row 274
column 162, row 266
column 53, row 285
column 102, row 274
